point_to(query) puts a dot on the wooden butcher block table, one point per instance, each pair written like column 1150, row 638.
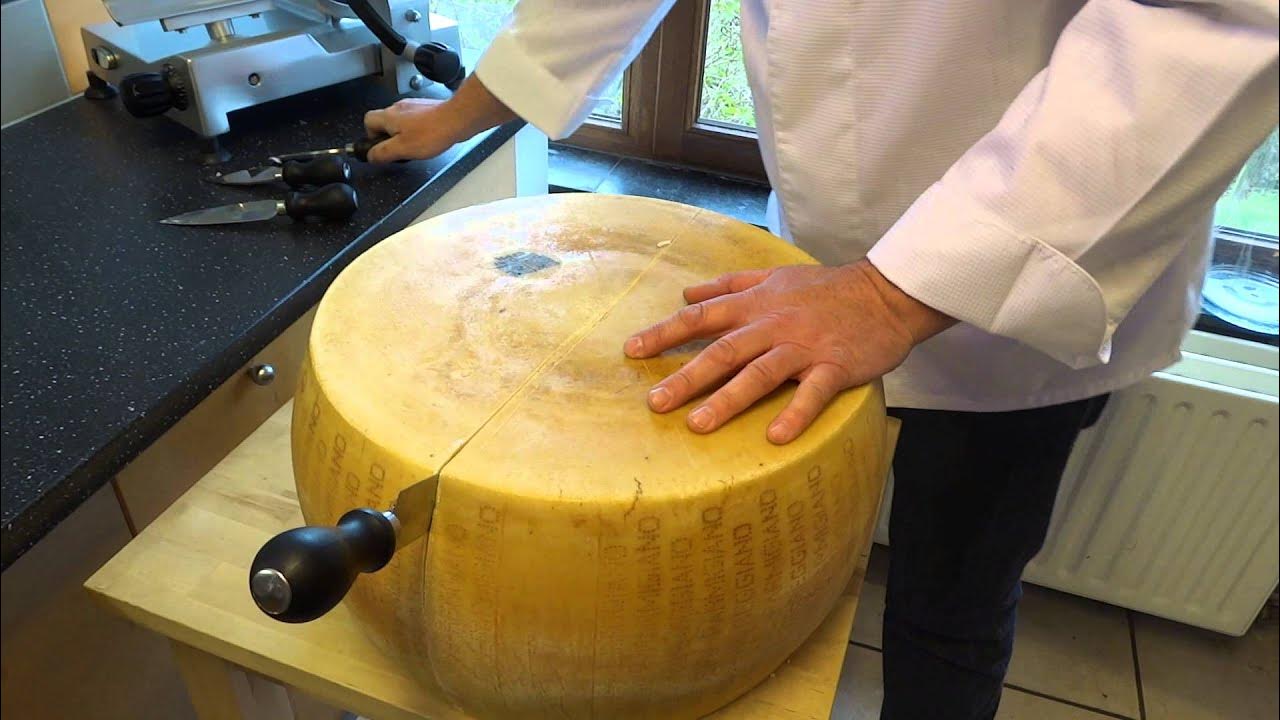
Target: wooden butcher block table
column 434, row 357
column 185, row 578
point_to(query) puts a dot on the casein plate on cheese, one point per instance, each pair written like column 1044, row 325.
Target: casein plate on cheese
column 586, row 557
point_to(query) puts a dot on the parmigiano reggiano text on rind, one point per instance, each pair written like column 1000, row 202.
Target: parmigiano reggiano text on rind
column 587, row 558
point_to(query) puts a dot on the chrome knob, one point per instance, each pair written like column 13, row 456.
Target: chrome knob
column 262, row 374
column 271, row 591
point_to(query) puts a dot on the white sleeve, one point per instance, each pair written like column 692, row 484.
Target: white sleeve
column 553, row 58
column 1052, row 226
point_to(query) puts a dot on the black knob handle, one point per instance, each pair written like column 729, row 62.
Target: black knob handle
column 336, row 201
column 456, row 83
column 360, row 148
column 320, row 171
column 147, row 94
column 440, row 63
column 304, row 573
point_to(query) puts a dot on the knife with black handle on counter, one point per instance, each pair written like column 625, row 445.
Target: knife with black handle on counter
column 336, row 201
column 358, row 149
column 314, row 172
column 305, row 572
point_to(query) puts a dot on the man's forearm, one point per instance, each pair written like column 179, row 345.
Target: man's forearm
column 475, row 109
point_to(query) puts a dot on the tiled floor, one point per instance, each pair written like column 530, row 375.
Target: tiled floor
column 573, row 169
column 1076, row 658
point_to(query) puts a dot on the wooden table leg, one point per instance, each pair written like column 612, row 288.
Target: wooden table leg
column 220, row 690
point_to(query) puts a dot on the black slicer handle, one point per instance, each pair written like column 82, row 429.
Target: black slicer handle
column 439, row 63
column 305, row 572
column 360, row 148
column 336, row 201
column 319, row 171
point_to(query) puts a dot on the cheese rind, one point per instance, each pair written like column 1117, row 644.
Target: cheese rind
column 587, row 558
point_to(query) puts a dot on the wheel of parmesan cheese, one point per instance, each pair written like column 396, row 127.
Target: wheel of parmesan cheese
column 586, row 558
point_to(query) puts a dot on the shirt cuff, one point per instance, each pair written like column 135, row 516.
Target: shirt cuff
column 526, row 87
column 950, row 256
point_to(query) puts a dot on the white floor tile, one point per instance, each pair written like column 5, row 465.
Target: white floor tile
column 861, row 691
column 1066, row 646
column 1017, row 705
column 1074, row 649
column 1193, row 674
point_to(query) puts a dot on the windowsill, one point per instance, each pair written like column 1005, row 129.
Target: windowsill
column 1211, row 325
column 1232, row 349
column 572, row 169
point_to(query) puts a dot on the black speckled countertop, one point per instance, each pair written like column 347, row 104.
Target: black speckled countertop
column 115, row 326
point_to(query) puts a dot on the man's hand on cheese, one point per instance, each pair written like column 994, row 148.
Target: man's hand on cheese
column 831, row 328
column 423, row 128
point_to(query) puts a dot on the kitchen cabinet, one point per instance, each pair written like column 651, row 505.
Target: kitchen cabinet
column 66, row 655
column 214, row 428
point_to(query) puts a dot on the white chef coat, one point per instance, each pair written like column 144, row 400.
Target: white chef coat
column 1043, row 171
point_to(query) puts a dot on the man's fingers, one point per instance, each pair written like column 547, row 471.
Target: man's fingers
column 695, row 321
column 813, row 394
column 759, row 378
column 378, row 122
column 714, row 363
column 390, row 150
column 725, row 284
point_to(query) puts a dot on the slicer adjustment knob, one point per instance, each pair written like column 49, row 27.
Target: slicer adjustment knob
column 440, row 64
column 151, row 93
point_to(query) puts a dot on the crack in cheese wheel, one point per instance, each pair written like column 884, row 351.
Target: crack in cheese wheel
column 586, row 557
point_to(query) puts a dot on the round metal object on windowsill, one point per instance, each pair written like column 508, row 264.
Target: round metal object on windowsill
column 1243, row 297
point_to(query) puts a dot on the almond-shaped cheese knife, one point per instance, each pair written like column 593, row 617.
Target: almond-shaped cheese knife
column 336, row 201
column 294, row 173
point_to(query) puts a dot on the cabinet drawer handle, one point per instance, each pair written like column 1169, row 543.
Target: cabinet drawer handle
column 262, row 374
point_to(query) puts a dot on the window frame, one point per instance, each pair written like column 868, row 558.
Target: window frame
column 632, row 134
column 661, row 105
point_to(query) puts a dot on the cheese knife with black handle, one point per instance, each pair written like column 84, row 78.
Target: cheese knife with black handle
column 305, row 572
column 316, row 172
column 358, row 149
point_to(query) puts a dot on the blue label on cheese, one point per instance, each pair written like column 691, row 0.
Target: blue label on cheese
column 521, row 263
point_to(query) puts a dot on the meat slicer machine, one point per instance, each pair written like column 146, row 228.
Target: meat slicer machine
column 198, row 60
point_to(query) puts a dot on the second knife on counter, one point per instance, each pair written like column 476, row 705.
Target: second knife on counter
column 336, row 201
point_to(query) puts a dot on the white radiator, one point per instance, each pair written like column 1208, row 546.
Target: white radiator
column 1169, row 505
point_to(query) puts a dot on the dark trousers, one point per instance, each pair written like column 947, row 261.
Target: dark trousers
column 971, row 503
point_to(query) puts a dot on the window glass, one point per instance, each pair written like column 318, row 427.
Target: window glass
column 610, row 106
column 479, row 22
column 725, row 97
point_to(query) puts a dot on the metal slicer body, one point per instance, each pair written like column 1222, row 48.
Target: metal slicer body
column 218, row 56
